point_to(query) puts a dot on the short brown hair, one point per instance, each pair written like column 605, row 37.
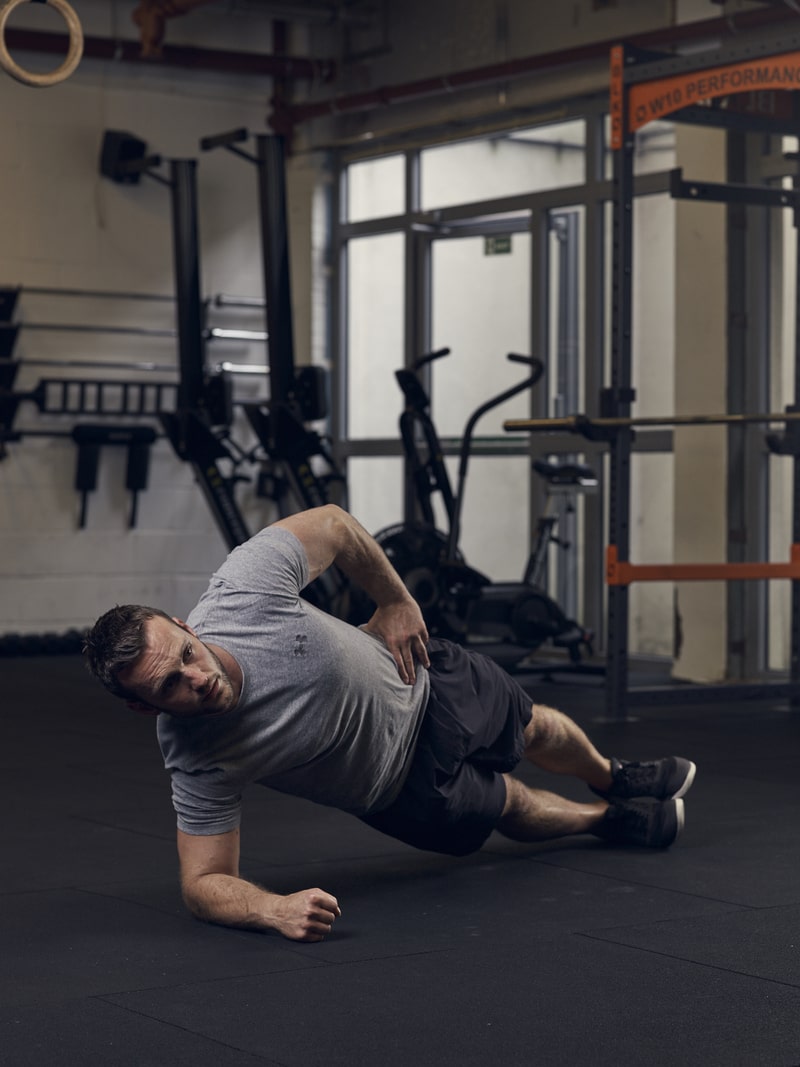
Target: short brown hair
column 116, row 641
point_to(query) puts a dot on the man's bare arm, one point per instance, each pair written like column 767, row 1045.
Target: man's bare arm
column 214, row 892
column 331, row 535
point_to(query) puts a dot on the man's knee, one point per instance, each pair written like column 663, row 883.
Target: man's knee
column 516, row 795
column 520, row 813
column 543, row 728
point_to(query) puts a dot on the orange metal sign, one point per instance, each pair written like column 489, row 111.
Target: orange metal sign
column 658, row 98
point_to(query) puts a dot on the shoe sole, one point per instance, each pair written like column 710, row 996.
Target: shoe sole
column 677, row 808
column 679, row 814
column 664, row 831
column 687, row 783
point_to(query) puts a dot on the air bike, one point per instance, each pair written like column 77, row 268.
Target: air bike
column 508, row 620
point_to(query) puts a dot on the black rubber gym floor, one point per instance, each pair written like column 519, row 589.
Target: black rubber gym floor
column 571, row 953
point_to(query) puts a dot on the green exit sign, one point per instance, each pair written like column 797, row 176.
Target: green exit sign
column 497, row 246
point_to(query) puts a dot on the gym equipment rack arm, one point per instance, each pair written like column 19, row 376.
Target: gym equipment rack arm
column 621, row 572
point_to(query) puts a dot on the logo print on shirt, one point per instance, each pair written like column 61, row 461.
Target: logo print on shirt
column 300, row 645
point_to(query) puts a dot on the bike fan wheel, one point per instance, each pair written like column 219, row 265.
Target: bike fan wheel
column 418, row 553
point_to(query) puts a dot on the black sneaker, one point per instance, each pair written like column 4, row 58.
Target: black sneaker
column 650, row 824
column 663, row 779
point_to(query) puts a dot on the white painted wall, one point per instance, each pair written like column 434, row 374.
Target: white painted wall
column 782, row 377
column 651, row 613
column 701, row 460
column 64, row 226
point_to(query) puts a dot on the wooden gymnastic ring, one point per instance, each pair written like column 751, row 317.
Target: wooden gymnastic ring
column 73, row 54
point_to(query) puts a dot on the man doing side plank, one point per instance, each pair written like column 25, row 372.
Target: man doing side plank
column 415, row 736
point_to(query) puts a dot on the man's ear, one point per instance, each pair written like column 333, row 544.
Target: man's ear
column 141, row 708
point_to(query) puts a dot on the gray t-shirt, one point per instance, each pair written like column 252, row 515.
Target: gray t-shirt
column 322, row 714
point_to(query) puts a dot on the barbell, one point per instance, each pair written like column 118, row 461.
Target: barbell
column 603, row 426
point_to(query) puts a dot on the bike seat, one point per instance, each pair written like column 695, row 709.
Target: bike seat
column 557, row 473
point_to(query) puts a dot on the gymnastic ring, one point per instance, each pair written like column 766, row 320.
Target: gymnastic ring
column 74, row 52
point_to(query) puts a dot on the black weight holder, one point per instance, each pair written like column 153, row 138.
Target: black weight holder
column 90, row 438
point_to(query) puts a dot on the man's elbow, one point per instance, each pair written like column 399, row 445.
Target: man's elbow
column 195, row 898
column 334, row 516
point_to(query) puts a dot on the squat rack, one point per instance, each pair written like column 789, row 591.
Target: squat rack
column 644, row 87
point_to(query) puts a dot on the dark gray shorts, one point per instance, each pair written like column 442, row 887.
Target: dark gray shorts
column 471, row 734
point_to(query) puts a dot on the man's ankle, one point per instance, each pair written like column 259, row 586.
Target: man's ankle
column 603, row 779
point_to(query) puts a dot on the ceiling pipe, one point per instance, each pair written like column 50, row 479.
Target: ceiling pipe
column 284, row 118
column 180, row 56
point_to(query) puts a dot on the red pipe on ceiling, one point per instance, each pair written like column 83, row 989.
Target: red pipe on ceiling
column 208, row 59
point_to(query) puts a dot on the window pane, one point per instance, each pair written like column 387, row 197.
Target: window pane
column 375, row 490
column 546, row 157
column 481, row 311
column 495, row 534
column 375, row 334
column 608, row 152
column 654, row 148
column 376, row 188
column 654, row 304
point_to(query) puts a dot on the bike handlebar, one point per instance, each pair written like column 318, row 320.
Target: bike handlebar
column 417, row 401
column 531, row 361
column 537, row 370
column 429, row 357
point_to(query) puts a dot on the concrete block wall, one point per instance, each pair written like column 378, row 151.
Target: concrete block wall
column 64, row 226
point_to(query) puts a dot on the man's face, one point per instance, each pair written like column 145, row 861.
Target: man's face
column 178, row 674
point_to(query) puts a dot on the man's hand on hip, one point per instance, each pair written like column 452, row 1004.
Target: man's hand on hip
column 402, row 628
